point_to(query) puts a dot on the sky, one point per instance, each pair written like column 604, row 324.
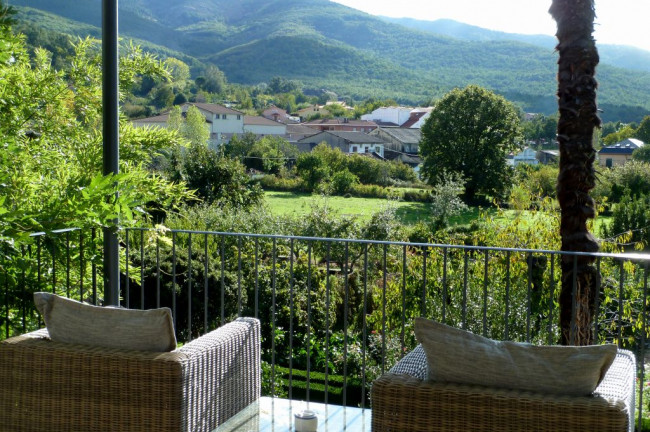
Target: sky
column 619, row 22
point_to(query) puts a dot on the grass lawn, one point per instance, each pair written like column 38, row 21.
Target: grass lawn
column 289, row 203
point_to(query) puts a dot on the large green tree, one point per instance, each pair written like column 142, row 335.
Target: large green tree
column 470, row 132
column 577, row 177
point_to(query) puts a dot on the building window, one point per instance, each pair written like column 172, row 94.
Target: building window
column 354, row 149
column 377, row 149
column 239, row 117
column 609, row 162
column 216, row 116
column 223, row 116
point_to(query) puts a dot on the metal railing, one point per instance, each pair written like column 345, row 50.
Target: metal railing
column 335, row 313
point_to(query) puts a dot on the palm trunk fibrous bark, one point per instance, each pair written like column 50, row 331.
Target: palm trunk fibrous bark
column 578, row 58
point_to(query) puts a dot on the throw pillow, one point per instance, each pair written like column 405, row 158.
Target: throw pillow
column 79, row 323
column 462, row 357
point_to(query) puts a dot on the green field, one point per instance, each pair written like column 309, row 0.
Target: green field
column 293, row 204
column 289, row 203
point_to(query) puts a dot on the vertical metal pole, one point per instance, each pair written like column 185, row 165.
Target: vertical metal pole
column 111, row 142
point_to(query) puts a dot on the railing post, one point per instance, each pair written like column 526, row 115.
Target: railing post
column 110, row 98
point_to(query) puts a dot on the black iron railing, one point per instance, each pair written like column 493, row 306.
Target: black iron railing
column 335, row 313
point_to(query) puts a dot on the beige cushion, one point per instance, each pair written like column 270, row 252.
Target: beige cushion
column 462, row 357
column 79, row 323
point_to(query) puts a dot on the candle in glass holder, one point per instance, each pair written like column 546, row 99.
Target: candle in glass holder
column 306, row 421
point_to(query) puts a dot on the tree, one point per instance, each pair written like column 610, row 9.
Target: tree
column 470, row 132
column 175, row 120
column 195, row 129
column 626, row 131
column 179, row 71
column 445, row 199
column 312, row 169
column 643, row 131
column 578, row 119
column 642, row 154
column 213, row 80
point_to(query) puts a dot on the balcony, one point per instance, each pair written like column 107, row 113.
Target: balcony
column 335, row 313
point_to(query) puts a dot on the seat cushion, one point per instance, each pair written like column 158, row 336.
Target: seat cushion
column 461, row 357
column 74, row 322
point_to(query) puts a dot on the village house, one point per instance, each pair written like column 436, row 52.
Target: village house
column 398, row 139
column 548, row 156
column 348, row 142
column 296, row 132
column 263, row 126
column 222, row 122
column 312, row 110
column 389, row 116
column 279, row 115
column 619, row 153
column 343, row 124
column 400, row 144
column 526, row 156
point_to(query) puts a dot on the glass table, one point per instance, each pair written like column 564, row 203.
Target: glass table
column 277, row 415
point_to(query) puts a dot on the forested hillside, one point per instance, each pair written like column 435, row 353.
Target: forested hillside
column 329, row 46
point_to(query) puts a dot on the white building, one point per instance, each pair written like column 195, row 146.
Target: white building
column 526, row 156
column 263, row 126
column 223, row 122
column 396, row 116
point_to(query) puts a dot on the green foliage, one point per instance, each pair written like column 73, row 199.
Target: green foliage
column 633, row 177
column 51, row 126
column 541, row 129
column 216, row 179
column 643, row 131
column 195, row 129
column 343, row 182
column 626, row 131
column 642, row 154
column 445, row 199
column 270, row 154
column 630, row 224
column 312, row 169
column 212, row 80
column 179, row 72
column 470, row 132
column 532, row 184
column 278, row 84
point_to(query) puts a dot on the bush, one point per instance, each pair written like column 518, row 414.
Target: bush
column 215, row 178
column 631, row 222
column 343, row 182
column 421, row 195
column 271, row 182
column 369, row 191
column 613, row 183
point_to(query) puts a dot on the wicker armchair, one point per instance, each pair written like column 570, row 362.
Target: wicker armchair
column 49, row 386
column 403, row 401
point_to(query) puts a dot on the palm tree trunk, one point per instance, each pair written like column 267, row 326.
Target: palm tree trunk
column 578, row 118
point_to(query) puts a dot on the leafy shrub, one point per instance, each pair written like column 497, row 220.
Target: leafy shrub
column 215, row 178
column 630, row 222
column 612, row 183
column 343, row 181
column 421, row 195
column 271, row 182
column 369, row 191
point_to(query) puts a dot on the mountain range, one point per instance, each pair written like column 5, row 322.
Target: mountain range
column 329, row 46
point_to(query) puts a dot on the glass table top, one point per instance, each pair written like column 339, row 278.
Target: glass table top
column 277, row 415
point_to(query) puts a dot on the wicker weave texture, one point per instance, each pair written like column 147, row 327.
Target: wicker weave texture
column 49, row 386
column 405, row 403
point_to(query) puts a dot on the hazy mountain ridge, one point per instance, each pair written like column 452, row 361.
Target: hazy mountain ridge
column 327, row 45
column 623, row 56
